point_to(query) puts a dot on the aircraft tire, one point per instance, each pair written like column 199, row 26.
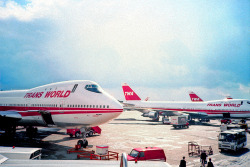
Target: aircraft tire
column 85, row 143
column 90, row 133
column 80, row 142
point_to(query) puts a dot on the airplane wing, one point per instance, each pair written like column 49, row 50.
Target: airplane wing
column 10, row 115
column 196, row 114
column 9, row 118
column 148, row 110
column 128, row 105
column 167, row 112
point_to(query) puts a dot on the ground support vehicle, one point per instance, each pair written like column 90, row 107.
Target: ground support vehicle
column 147, row 154
column 207, row 149
column 109, row 156
column 179, row 122
column 225, row 127
column 225, row 121
column 195, row 149
column 21, row 152
column 166, row 120
column 244, row 126
column 232, row 140
column 78, row 149
column 89, row 132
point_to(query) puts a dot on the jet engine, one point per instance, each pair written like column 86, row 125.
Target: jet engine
column 154, row 115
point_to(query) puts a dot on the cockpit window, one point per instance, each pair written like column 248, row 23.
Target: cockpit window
column 93, row 88
column 248, row 102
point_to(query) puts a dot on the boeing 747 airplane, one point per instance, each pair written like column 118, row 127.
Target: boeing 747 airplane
column 80, row 103
column 227, row 108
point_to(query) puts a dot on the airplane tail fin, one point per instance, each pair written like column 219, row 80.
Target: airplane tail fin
column 194, row 97
column 129, row 93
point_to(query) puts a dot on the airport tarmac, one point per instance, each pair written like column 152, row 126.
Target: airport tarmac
column 131, row 130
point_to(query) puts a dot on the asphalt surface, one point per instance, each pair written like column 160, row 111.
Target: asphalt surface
column 131, row 130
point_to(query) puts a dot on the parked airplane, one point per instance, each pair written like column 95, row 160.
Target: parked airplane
column 79, row 103
column 227, row 108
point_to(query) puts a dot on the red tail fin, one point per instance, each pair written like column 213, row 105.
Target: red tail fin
column 194, row 97
column 129, row 93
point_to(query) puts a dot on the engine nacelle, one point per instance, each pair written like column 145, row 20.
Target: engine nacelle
column 154, row 115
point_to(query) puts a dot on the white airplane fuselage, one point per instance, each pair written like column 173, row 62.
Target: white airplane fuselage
column 71, row 103
column 236, row 108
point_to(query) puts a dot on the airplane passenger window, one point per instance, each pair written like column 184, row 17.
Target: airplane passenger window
column 103, row 106
column 107, row 106
column 93, row 88
column 90, row 106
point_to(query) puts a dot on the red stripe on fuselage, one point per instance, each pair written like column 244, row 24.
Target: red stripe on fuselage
column 205, row 111
column 25, row 114
column 58, row 111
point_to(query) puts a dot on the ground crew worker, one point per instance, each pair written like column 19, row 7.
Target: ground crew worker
column 210, row 164
column 183, row 162
column 203, row 158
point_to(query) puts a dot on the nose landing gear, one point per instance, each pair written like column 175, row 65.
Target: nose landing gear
column 84, row 142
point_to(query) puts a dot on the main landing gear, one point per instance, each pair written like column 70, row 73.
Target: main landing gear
column 10, row 130
column 31, row 131
column 84, row 142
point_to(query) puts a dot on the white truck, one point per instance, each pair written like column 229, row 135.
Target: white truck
column 232, row 140
column 21, row 152
column 179, row 122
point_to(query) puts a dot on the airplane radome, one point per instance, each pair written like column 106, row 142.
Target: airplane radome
column 79, row 103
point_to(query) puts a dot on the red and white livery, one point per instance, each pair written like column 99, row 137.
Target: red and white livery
column 79, row 103
column 227, row 108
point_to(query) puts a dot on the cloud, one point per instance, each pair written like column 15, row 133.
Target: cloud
column 154, row 44
column 31, row 10
column 244, row 89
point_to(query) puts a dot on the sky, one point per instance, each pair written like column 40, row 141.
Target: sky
column 163, row 49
